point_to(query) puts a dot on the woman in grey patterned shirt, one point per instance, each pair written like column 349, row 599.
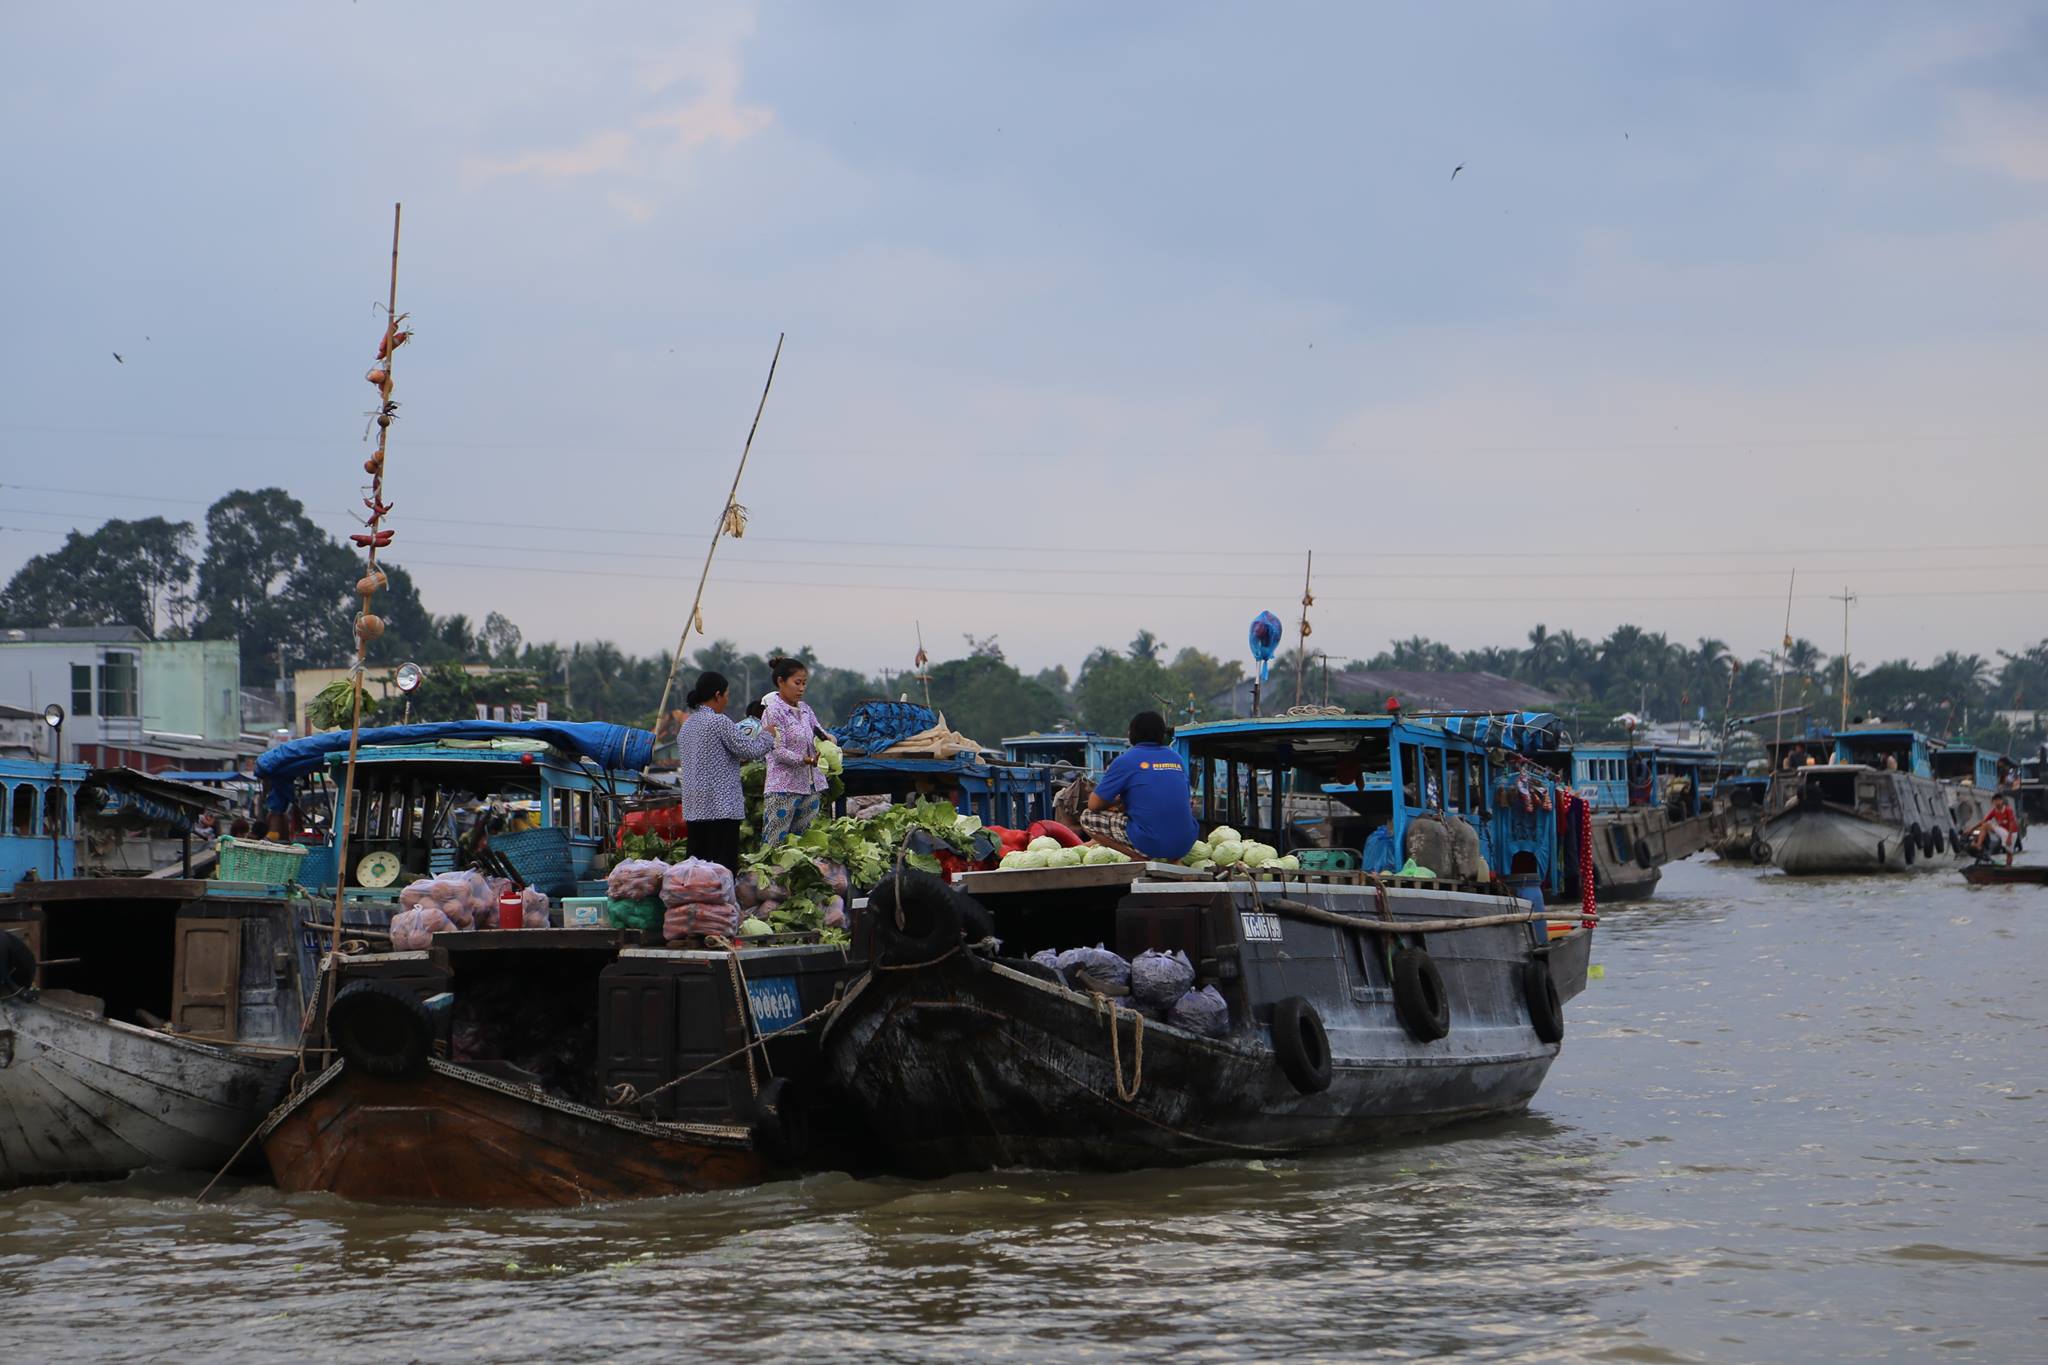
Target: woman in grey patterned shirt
column 711, row 749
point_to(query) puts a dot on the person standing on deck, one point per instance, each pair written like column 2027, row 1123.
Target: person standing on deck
column 1142, row 804
column 790, row 795
column 711, row 749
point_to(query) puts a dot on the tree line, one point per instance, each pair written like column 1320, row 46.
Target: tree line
column 265, row 575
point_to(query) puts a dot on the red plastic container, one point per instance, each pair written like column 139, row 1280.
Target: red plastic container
column 510, row 916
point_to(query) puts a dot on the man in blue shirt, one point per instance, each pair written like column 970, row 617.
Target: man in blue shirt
column 1141, row 804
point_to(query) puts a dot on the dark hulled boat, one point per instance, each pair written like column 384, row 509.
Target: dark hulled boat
column 1875, row 808
column 1358, row 1008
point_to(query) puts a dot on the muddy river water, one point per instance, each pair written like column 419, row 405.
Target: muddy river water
column 1794, row 1120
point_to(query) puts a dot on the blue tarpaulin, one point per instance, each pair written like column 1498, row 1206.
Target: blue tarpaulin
column 618, row 747
column 875, row 725
column 1522, row 732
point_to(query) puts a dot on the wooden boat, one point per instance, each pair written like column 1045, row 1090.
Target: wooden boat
column 1652, row 804
column 551, row 1067
column 457, row 1135
column 146, row 1023
column 1875, row 808
column 1344, row 1028
column 1997, row 874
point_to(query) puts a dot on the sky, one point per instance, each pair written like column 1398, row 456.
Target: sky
column 1097, row 317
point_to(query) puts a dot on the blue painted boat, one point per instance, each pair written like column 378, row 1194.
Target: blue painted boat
column 39, row 806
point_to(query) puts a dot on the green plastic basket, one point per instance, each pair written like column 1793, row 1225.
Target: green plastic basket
column 253, row 860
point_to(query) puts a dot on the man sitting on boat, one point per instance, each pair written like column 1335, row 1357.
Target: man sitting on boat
column 1142, row 804
column 1998, row 831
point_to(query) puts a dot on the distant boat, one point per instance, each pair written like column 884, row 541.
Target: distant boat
column 1995, row 874
column 1875, row 807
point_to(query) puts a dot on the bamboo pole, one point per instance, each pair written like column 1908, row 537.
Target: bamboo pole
column 1301, row 638
column 724, row 515
column 388, row 354
column 1784, row 644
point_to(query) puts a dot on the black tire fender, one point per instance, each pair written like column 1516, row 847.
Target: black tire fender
column 916, row 916
column 1301, row 1045
column 1546, row 1007
column 781, row 1128
column 382, row 1028
column 17, row 964
column 1759, row 850
column 1421, row 1002
column 1910, row 845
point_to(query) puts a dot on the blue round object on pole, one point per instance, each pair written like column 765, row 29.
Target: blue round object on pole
column 1266, row 631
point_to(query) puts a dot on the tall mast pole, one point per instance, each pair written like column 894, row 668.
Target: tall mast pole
column 1845, row 599
column 1784, row 647
column 1301, row 641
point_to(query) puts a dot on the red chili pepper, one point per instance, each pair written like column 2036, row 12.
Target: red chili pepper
column 379, row 539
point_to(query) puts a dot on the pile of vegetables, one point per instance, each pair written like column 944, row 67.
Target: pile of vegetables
column 807, row 882
column 1046, row 851
column 1226, row 848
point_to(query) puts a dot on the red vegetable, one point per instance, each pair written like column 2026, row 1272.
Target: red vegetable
column 1042, row 828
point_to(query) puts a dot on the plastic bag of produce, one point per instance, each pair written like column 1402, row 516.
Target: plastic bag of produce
column 834, row 875
column 753, row 886
column 701, row 917
column 636, row 879
column 1046, row 957
column 1203, row 1011
column 755, row 928
column 694, row 881
column 534, row 910
column 835, row 913
column 415, row 892
column 1096, row 969
column 640, row 914
column 1160, row 979
column 412, row 930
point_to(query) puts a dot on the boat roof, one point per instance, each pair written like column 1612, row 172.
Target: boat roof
column 1064, row 736
column 1291, row 740
column 1882, row 732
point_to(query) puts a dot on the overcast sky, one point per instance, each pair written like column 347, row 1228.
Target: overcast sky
column 1089, row 308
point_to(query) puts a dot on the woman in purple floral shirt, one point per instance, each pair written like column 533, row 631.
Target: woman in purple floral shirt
column 790, row 795
column 710, row 750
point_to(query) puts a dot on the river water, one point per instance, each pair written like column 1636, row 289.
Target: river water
column 1793, row 1120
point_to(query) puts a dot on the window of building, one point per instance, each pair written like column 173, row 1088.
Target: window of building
column 81, row 689
column 119, row 684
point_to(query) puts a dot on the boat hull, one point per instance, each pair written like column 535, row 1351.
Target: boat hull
column 1995, row 874
column 84, row 1097
column 1813, row 843
column 973, row 1067
column 454, row 1136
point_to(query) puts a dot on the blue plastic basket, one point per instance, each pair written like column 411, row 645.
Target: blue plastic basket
column 540, row 857
column 316, row 869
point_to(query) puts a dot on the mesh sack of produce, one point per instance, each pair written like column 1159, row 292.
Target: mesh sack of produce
column 1096, row 969
column 534, row 911
column 694, row 881
column 635, row 879
column 1158, row 980
column 642, row 914
column 426, row 888
column 1204, row 1011
column 693, row 918
column 835, row 913
column 834, row 875
column 412, row 930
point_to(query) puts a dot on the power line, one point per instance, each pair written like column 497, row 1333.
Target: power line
column 1802, row 552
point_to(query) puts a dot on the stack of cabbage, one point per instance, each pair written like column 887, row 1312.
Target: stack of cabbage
column 1045, row 851
column 1226, row 848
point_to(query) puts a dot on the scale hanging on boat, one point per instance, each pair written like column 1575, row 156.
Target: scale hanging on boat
column 379, row 870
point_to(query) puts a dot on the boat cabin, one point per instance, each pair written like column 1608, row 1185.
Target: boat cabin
column 1009, row 794
column 39, row 804
column 1870, row 746
column 1381, row 771
column 1966, row 766
column 1619, row 774
column 1085, row 750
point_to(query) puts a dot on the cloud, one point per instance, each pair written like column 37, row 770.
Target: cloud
column 645, row 145
column 2001, row 133
column 595, row 155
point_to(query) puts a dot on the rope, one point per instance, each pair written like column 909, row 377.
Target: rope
column 1116, row 1061
column 741, row 1003
column 624, row 1092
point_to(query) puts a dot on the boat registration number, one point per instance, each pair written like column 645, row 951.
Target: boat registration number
column 775, row 1002
column 1259, row 927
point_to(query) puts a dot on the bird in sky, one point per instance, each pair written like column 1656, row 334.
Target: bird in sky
column 117, row 358
column 1455, row 169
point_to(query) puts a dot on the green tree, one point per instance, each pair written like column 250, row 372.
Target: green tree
column 126, row 573
column 986, row 699
column 270, row 578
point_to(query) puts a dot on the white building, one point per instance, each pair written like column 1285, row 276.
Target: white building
column 129, row 701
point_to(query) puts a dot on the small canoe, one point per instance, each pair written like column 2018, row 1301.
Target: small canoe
column 1996, row 874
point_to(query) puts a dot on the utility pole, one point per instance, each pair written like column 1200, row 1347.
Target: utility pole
column 1845, row 599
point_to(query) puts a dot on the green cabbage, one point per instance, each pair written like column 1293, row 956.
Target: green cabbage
column 751, row 927
column 1290, row 863
column 1098, row 855
column 1200, row 850
column 1258, row 855
column 830, row 761
column 1063, row 857
column 1229, row 852
column 1044, row 843
column 1224, row 834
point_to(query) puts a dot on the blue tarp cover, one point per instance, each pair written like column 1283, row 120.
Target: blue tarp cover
column 618, row 747
column 1522, row 732
column 875, row 725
